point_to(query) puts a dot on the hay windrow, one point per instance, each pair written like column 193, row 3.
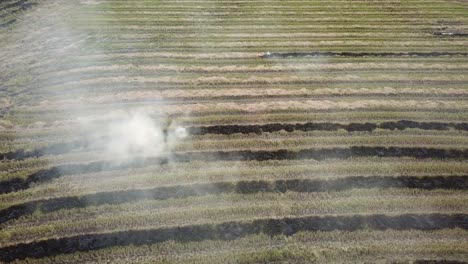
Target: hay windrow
column 232, row 230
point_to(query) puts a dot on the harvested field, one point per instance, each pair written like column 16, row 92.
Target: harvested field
column 212, row 131
column 62, row 148
column 234, row 230
column 245, row 155
column 242, row 187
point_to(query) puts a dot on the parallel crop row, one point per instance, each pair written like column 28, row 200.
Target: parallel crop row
column 319, row 131
column 241, row 155
column 242, row 187
column 233, row 230
column 60, row 148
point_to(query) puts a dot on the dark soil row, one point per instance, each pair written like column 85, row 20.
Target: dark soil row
column 352, row 127
column 54, row 149
column 232, row 230
column 324, row 153
column 361, row 54
column 8, row 23
column 243, row 187
column 450, row 34
column 22, row 4
column 49, row 174
column 241, row 155
column 61, row 148
column 425, row 261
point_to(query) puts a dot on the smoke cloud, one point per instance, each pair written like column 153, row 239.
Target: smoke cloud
column 134, row 134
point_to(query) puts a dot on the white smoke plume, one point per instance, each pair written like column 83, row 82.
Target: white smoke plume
column 133, row 134
column 136, row 135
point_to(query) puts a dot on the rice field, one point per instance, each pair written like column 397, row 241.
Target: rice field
column 215, row 131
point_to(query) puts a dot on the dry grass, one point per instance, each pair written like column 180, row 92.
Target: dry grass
column 330, row 247
column 202, row 172
column 220, row 208
column 91, row 59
